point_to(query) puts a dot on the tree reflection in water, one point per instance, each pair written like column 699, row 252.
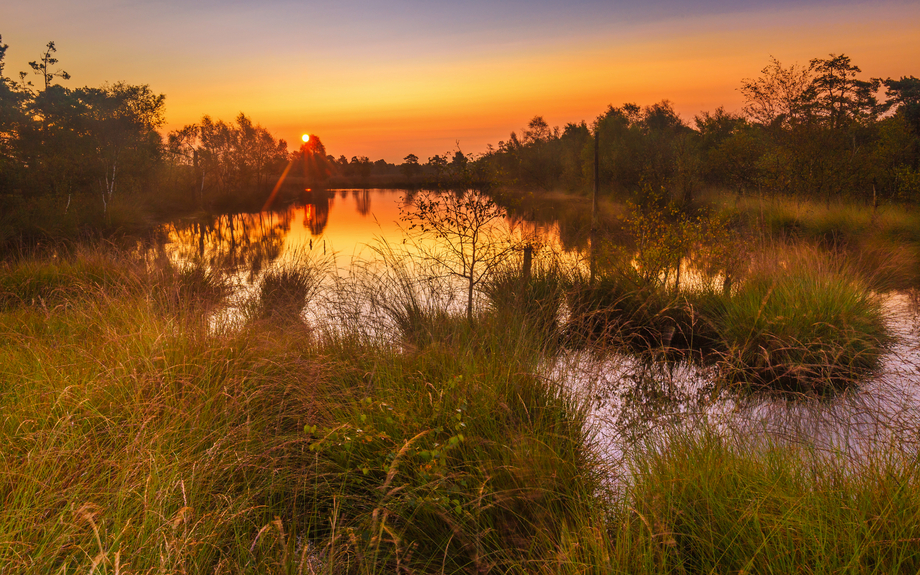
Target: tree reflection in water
column 231, row 241
column 316, row 215
column 253, row 242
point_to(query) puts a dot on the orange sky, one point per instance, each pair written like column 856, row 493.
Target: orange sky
column 416, row 77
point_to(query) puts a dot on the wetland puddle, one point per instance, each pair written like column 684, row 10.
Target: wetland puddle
column 346, row 229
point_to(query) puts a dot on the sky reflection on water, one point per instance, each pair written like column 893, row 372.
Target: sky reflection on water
column 344, row 224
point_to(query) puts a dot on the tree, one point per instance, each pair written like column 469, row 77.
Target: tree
column 537, row 131
column 3, row 48
column 458, row 162
column 42, row 67
column 12, row 119
column 231, row 157
column 837, row 96
column 410, row 166
column 121, row 122
column 465, row 235
column 776, row 97
column 904, row 96
column 362, row 166
column 315, row 163
column 439, row 164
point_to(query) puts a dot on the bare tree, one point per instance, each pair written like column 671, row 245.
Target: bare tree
column 461, row 233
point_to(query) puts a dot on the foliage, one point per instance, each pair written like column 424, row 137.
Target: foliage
column 813, row 131
column 139, row 432
column 226, row 159
column 468, row 239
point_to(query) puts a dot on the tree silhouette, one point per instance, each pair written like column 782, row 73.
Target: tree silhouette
column 468, row 241
column 776, row 96
column 836, row 95
column 3, row 48
column 410, row 166
column 43, row 66
column 904, row 95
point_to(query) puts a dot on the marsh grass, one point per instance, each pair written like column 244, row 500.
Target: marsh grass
column 622, row 309
column 703, row 502
column 801, row 321
column 141, row 436
column 134, row 442
column 805, row 325
column 63, row 273
column 865, row 233
column 457, row 458
column 286, row 289
column 534, row 299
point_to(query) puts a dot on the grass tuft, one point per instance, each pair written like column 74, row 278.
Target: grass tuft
column 805, row 328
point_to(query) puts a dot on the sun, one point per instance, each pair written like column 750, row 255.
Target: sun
column 305, row 138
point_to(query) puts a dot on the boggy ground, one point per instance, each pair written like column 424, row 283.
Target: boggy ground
column 139, row 437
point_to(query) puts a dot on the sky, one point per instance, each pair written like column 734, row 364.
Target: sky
column 386, row 79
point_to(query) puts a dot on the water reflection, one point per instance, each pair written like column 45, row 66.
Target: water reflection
column 627, row 396
column 316, row 211
column 363, row 199
column 324, row 222
column 230, row 241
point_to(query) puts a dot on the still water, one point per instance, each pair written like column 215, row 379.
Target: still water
column 345, row 226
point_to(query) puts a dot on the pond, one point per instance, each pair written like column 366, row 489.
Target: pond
column 348, row 229
column 341, row 224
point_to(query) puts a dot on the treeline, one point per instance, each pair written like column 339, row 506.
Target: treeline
column 64, row 143
column 455, row 169
column 818, row 131
column 94, row 158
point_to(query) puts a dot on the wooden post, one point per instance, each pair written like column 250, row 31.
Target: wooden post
column 528, row 262
column 597, row 177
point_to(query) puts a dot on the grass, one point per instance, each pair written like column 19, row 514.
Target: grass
column 140, row 437
column 622, row 310
column 888, row 236
column 799, row 321
column 137, row 443
column 704, row 503
column 286, row 289
column 804, row 326
column 40, row 279
column 534, row 299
